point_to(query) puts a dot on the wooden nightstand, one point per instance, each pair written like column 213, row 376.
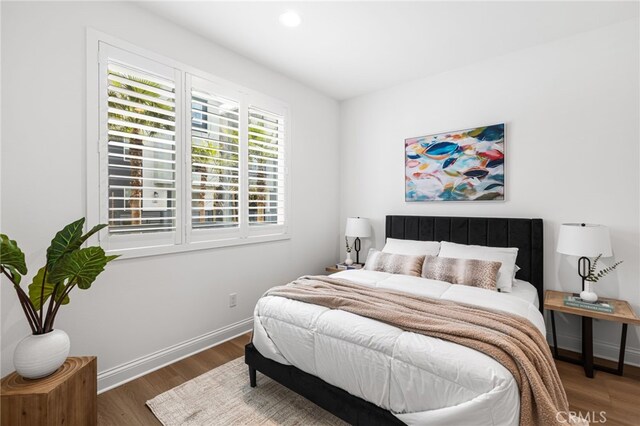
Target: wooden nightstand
column 68, row 396
column 333, row 269
column 623, row 313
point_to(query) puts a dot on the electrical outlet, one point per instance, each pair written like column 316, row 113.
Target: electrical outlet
column 233, row 300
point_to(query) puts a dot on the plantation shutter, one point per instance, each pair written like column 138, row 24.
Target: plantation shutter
column 215, row 161
column 184, row 160
column 265, row 168
column 141, row 144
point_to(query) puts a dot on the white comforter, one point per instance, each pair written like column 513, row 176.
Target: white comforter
column 422, row 380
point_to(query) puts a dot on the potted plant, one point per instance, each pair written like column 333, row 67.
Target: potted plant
column 592, row 277
column 67, row 266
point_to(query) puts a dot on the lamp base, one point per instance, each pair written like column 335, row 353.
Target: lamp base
column 356, row 246
column 584, row 265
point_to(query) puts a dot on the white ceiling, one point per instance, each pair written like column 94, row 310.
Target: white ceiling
column 346, row 49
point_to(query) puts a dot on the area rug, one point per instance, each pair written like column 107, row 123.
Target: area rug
column 223, row 397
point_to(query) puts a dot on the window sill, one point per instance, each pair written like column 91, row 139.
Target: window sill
column 194, row 246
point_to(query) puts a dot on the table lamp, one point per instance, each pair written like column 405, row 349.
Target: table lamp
column 585, row 240
column 357, row 227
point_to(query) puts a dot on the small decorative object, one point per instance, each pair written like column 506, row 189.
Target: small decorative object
column 348, row 260
column 465, row 165
column 357, row 227
column 588, row 295
column 67, row 266
column 586, row 240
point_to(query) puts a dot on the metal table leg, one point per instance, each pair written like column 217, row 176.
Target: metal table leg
column 623, row 344
column 553, row 332
column 586, row 359
column 587, row 342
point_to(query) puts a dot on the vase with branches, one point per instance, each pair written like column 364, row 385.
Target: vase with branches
column 593, row 276
column 67, row 266
column 348, row 260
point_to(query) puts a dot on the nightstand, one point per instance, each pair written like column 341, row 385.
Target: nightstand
column 332, row 269
column 68, row 396
column 623, row 313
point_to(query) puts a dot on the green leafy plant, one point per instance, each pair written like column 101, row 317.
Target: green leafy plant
column 68, row 265
column 594, row 276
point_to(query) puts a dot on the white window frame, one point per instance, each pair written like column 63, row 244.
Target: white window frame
column 185, row 238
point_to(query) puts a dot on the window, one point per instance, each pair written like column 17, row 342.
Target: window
column 266, row 169
column 185, row 160
column 215, row 161
column 141, row 151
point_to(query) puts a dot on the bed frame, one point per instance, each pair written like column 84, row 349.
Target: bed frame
column 526, row 234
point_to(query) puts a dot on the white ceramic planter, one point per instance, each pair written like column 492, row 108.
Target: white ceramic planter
column 588, row 295
column 40, row 355
column 348, row 260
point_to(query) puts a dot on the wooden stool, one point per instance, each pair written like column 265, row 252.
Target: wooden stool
column 67, row 397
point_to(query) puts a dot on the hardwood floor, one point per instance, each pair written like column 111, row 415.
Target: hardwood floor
column 618, row 397
column 125, row 405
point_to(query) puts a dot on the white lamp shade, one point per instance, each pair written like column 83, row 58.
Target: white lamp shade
column 584, row 239
column 358, row 227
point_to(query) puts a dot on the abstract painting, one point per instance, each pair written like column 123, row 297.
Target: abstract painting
column 464, row 165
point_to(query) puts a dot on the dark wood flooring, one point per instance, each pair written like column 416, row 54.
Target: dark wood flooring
column 618, row 397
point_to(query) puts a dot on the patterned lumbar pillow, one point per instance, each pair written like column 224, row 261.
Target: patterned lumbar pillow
column 471, row 272
column 506, row 255
column 394, row 263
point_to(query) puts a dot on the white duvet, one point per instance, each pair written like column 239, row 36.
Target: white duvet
column 421, row 380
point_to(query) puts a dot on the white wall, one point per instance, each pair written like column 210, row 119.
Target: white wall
column 142, row 305
column 572, row 113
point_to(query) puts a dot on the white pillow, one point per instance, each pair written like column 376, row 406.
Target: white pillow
column 506, row 255
column 411, row 247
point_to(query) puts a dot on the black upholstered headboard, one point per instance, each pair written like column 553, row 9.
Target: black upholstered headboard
column 525, row 234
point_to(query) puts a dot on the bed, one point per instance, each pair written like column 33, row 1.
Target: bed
column 367, row 372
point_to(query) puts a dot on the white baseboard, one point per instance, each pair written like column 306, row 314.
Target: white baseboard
column 601, row 349
column 123, row 373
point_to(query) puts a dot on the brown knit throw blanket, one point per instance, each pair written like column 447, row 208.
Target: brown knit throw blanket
column 509, row 339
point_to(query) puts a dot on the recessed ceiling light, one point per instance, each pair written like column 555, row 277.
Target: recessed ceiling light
column 290, row 19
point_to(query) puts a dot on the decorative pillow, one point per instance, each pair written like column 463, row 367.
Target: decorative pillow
column 411, row 247
column 506, row 255
column 394, row 263
column 471, row 272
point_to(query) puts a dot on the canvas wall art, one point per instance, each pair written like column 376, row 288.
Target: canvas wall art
column 465, row 165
